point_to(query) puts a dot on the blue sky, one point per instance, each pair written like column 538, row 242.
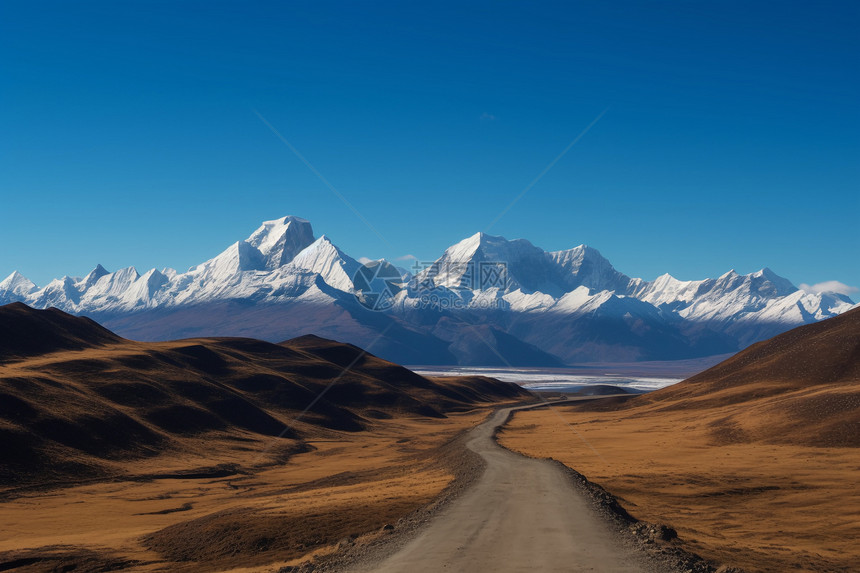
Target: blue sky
column 730, row 138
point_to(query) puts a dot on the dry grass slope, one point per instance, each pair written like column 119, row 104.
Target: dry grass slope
column 81, row 400
column 188, row 455
column 754, row 461
column 799, row 388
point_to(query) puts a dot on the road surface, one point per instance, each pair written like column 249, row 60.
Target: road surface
column 520, row 515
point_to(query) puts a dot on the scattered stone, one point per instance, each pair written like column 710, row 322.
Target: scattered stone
column 666, row 533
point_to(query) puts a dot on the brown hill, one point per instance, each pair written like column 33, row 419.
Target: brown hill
column 822, row 353
column 801, row 387
column 753, row 462
column 28, row 332
column 76, row 400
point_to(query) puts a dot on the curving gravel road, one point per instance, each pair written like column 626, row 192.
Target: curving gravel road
column 520, row 515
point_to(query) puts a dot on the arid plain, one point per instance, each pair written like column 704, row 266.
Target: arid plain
column 156, row 518
column 240, row 455
column 196, row 455
column 754, row 462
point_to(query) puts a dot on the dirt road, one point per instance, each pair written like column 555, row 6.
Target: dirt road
column 521, row 515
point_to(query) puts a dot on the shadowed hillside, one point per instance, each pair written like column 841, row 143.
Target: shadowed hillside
column 801, row 387
column 826, row 352
column 76, row 401
column 27, row 332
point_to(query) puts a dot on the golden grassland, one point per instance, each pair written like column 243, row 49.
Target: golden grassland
column 757, row 505
column 211, row 454
column 348, row 484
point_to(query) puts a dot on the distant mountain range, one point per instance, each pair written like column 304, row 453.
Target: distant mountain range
column 485, row 301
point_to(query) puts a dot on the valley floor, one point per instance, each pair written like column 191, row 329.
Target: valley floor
column 762, row 507
column 227, row 517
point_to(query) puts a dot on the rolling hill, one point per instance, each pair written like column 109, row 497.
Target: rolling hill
column 27, row 333
column 77, row 401
column 800, row 387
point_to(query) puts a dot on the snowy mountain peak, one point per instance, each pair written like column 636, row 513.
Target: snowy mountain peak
column 321, row 247
column 93, row 276
column 279, row 241
column 58, row 293
column 526, row 266
column 325, row 259
column 465, row 249
column 573, row 258
column 237, row 258
column 761, row 283
column 14, row 280
column 585, row 266
column 571, row 304
column 128, row 274
column 16, row 287
column 778, row 285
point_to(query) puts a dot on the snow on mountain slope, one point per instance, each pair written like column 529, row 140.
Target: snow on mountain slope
column 746, row 308
column 518, row 301
column 665, row 290
column 581, row 301
column 461, row 265
column 239, row 257
column 114, row 285
column 584, row 327
column 334, row 266
column 732, row 295
column 529, row 268
column 60, row 293
column 91, row 278
column 572, row 304
column 585, row 266
column 780, row 314
column 15, row 288
column 279, row 241
column 143, row 291
column 225, row 276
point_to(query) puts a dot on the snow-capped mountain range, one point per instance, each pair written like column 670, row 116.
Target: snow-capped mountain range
column 485, row 301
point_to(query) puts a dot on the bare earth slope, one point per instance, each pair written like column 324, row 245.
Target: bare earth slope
column 754, row 461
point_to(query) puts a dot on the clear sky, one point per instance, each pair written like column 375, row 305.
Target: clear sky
column 730, row 138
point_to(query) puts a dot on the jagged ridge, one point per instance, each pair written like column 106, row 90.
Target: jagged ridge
column 552, row 307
